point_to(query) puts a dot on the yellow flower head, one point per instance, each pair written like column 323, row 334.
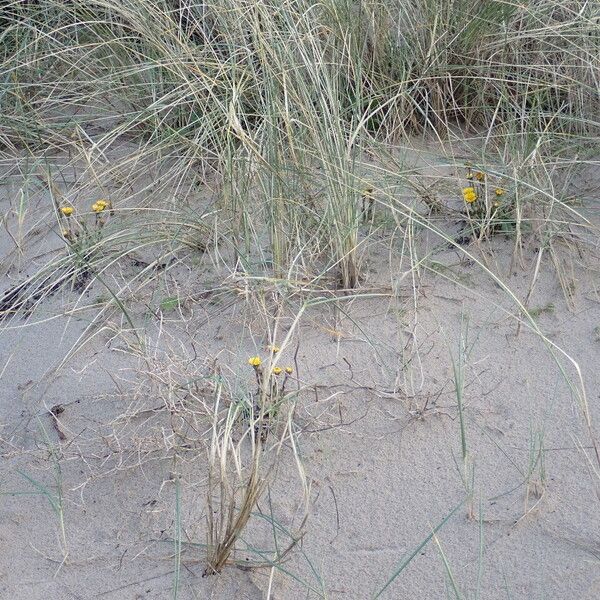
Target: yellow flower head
column 67, row 210
column 479, row 176
column 99, row 206
column 274, row 349
column 499, row 192
column 254, row 361
column 289, row 370
column 277, row 370
column 469, row 195
column 469, row 175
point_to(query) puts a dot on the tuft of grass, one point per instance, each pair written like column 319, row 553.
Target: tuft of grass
column 239, row 468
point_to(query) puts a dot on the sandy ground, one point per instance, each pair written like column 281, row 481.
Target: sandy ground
column 377, row 431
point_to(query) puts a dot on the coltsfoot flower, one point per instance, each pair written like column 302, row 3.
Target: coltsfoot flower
column 277, row 370
column 289, row 370
column 67, row 210
column 99, row 206
column 469, row 195
column 479, row 176
column 499, row 192
column 274, row 349
column 254, row 361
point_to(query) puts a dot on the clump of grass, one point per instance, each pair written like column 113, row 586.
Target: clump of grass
column 241, row 463
column 236, row 500
column 282, row 109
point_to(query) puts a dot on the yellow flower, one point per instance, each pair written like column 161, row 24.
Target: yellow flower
column 274, row 349
column 67, row 210
column 479, row 176
column 499, row 192
column 99, row 206
column 469, row 175
column 277, row 370
column 289, row 370
column 469, row 195
column 254, row 361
